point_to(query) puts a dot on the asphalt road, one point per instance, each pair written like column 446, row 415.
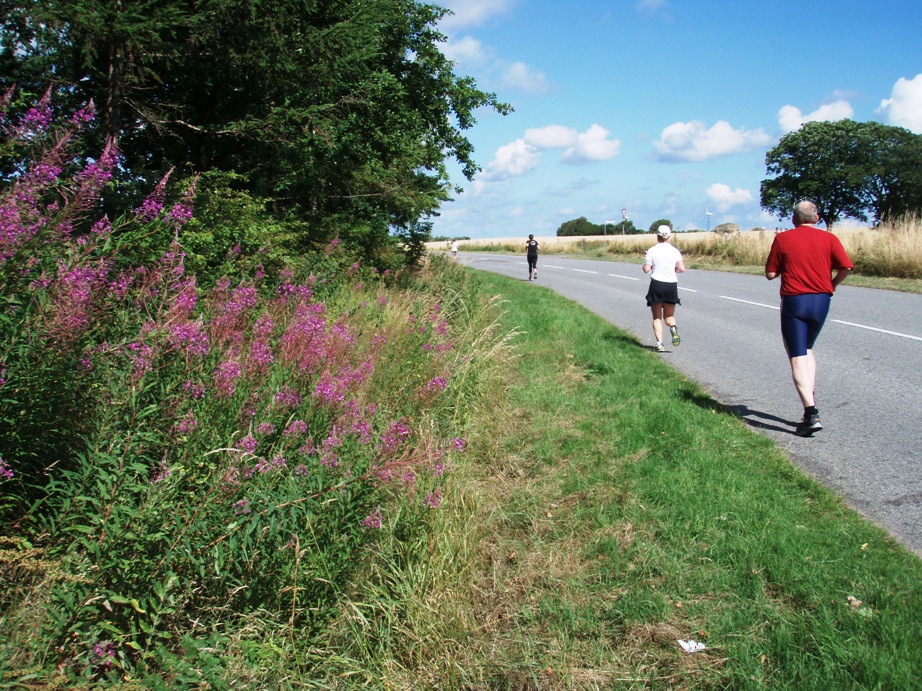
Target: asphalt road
column 869, row 370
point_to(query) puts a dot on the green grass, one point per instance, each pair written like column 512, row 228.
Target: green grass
column 616, row 508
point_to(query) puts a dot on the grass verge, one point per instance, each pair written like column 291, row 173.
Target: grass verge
column 616, row 509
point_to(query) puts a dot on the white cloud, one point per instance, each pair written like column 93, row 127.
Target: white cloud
column 522, row 77
column 592, row 145
column 790, row 118
column 471, row 12
column 523, row 155
column 468, row 51
column 904, row 107
column 512, row 160
column 580, row 147
column 551, row 137
column 691, row 141
column 724, row 198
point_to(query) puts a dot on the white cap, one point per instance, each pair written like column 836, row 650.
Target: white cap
column 664, row 231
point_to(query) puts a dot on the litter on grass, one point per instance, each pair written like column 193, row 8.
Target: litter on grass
column 692, row 646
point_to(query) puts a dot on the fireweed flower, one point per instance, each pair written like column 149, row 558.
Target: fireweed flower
column 436, row 384
column 153, row 204
column 288, row 398
column 188, row 424
column 182, row 211
column 162, row 472
column 190, row 337
column 226, row 376
column 434, row 498
column 296, row 429
column 6, row 472
column 194, row 389
column 265, row 428
column 397, row 432
column 104, row 654
column 373, row 520
column 247, row 444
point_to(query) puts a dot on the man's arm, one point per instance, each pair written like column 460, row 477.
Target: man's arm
column 841, row 275
column 770, row 275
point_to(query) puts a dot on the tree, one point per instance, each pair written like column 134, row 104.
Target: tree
column 579, row 226
column 894, row 184
column 626, row 227
column 847, row 169
column 819, row 162
column 661, row 222
column 334, row 112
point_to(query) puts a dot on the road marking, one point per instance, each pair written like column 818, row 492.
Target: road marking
column 584, row 271
column 552, row 266
column 688, row 290
column 747, row 302
column 871, row 328
column 837, row 321
column 630, row 278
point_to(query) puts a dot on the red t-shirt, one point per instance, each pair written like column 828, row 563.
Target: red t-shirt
column 804, row 258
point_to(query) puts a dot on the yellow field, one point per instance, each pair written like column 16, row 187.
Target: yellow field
column 892, row 250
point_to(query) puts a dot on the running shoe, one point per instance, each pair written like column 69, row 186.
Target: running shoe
column 536, row 274
column 659, row 348
column 808, row 426
column 676, row 339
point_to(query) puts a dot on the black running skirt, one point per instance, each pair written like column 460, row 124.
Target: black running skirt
column 662, row 292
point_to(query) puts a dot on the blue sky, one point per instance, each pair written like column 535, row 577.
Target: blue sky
column 664, row 108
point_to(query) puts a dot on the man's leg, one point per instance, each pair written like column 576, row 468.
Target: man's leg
column 803, row 370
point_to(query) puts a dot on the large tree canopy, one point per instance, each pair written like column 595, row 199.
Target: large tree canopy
column 848, row 169
column 345, row 110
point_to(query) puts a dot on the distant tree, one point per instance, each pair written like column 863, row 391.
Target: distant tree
column 579, row 226
column 627, row 227
column 894, row 184
column 847, row 169
column 660, row 222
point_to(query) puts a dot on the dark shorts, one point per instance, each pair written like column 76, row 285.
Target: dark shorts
column 662, row 292
column 532, row 260
column 802, row 319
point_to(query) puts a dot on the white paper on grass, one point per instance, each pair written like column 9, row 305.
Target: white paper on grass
column 692, row 646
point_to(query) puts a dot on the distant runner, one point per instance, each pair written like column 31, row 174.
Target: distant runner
column 531, row 247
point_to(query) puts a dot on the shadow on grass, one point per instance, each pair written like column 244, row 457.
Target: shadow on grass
column 756, row 419
column 623, row 339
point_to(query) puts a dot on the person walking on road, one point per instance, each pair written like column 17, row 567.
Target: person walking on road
column 454, row 249
column 531, row 249
column 805, row 258
column 663, row 261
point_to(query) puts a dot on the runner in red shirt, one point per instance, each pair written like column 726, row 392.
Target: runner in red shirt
column 805, row 258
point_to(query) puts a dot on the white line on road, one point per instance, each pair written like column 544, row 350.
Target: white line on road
column 584, row 271
column 630, row 278
column 757, row 304
column 552, row 266
column 837, row 321
column 688, row 290
column 871, row 328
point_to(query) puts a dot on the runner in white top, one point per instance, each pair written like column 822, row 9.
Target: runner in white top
column 663, row 262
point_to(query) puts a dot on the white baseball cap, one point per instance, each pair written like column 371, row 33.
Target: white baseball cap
column 664, row 231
